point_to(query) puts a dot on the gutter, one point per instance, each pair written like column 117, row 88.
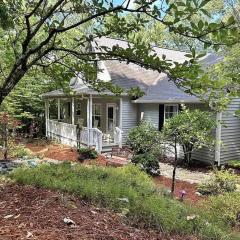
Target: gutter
column 218, row 139
column 167, row 101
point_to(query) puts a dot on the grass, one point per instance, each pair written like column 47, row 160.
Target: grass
column 227, row 206
column 128, row 191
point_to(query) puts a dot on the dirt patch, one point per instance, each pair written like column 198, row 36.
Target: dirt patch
column 35, row 213
column 61, row 153
column 190, row 189
column 66, row 153
column 36, row 147
column 99, row 161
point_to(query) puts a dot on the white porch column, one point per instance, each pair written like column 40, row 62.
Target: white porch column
column 59, row 108
column 90, row 111
column 47, row 116
column 218, row 139
column 120, row 113
column 89, row 117
column 73, row 111
column 120, row 120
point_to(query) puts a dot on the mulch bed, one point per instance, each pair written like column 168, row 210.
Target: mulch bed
column 65, row 153
column 190, row 188
column 54, row 151
column 35, row 213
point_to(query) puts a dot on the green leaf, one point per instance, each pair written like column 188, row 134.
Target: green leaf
column 231, row 20
column 200, row 25
column 203, row 3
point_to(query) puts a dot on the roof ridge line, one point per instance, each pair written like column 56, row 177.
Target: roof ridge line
column 154, row 46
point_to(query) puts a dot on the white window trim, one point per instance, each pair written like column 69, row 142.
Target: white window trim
column 165, row 105
column 98, row 115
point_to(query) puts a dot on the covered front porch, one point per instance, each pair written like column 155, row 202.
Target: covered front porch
column 86, row 121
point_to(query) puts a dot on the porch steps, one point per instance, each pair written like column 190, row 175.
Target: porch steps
column 108, row 147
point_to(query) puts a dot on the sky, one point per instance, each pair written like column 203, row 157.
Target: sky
column 121, row 1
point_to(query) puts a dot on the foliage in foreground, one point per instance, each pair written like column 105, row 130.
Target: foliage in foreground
column 146, row 142
column 126, row 190
column 191, row 129
column 222, row 181
column 144, row 138
column 148, row 162
column 234, row 164
column 17, row 150
column 87, row 153
column 227, row 206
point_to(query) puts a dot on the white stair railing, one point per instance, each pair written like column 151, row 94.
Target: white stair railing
column 96, row 139
column 92, row 137
column 84, row 136
column 118, row 136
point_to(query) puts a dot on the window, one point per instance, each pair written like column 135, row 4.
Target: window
column 170, row 111
column 96, row 115
column 78, row 109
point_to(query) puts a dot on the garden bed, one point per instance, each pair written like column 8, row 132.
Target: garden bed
column 189, row 188
column 35, row 213
column 60, row 152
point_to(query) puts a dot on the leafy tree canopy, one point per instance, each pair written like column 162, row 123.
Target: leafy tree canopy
column 54, row 37
column 191, row 129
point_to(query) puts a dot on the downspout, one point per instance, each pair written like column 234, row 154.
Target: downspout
column 218, row 139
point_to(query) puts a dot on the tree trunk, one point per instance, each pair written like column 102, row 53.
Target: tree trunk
column 175, row 166
column 10, row 82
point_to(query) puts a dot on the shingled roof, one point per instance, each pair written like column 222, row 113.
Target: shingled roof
column 156, row 86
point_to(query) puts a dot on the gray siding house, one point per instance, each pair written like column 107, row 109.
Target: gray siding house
column 103, row 120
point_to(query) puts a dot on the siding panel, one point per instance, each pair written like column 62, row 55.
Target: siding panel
column 150, row 113
column 129, row 116
column 203, row 154
column 230, row 149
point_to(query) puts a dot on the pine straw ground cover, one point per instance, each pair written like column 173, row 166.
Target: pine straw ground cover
column 35, row 213
column 131, row 193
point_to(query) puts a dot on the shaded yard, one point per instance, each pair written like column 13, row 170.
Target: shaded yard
column 60, row 152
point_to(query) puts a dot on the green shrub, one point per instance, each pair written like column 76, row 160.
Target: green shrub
column 222, row 181
column 234, row 164
column 129, row 191
column 144, row 138
column 227, row 206
column 17, row 150
column 148, row 162
column 87, row 153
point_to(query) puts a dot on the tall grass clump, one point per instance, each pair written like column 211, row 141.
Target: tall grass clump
column 126, row 190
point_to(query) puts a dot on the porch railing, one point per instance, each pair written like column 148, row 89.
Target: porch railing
column 118, row 136
column 91, row 137
column 63, row 132
column 69, row 134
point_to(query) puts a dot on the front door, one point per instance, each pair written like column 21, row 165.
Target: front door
column 111, row 118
